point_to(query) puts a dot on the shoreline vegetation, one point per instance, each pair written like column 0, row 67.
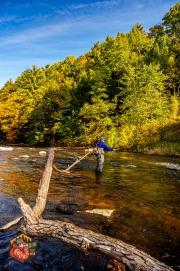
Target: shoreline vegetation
column 126, row 89
column 166, row 150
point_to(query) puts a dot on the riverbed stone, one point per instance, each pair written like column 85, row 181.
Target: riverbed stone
column 67, row 207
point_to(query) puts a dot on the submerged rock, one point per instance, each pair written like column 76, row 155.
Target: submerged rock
column 43, row 153
column 24, row 156
column 169, row 165
column 67, row 207
column 104, row 212
column 6, row 149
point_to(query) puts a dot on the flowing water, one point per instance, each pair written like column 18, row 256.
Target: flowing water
column 143, row 191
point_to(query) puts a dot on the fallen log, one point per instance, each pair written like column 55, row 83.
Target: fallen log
column 34, row 225
column 86, row 240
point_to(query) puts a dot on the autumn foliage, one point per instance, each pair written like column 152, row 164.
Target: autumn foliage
column 126, row 88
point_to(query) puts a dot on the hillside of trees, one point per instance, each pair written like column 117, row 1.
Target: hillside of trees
column 126, row 89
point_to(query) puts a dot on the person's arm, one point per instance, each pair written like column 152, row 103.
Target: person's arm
column 105, row 147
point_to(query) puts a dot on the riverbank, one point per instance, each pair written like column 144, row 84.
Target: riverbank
column 170, row 149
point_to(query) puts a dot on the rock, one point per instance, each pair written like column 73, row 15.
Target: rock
column 169, row 165
column 104, row 212
column 25, row 156
column 6, row 149
column 42, row 153
column 67, row 207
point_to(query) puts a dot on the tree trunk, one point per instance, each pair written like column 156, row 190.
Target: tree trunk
column 34, row 225
column 86, row 239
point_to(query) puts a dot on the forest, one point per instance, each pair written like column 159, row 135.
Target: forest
column 126, row 89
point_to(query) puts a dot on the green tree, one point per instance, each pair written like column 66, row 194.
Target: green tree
column 171, row 21
column 156, row 31
column 144, row 102
column 96, row 117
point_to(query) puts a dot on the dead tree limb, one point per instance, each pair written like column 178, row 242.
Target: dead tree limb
column 77, row 161
column 44, row 186
column 60, row 170
column 34, row 225
column 42, row 193
column 86, row 239
column 69, row 167
column 11, row 224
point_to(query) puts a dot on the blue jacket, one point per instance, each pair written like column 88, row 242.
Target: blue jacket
column 102, row 145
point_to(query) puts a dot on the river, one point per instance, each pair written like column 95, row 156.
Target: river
column 143, row 191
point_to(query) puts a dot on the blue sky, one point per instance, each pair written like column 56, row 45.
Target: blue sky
column 42, row 32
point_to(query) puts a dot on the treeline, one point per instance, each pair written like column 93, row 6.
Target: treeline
column 126, row 89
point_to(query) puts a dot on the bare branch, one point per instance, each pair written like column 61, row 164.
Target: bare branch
column 44, row 186
column 11, row 224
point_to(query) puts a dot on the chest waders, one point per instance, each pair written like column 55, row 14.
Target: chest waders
column 100, row 160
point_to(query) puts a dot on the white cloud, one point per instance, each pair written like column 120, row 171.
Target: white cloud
column 6, row 19
column 99, row 4
column 56, row 29
column 34, row 34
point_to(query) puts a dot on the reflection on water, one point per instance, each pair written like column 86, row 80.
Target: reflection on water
column 140, row 188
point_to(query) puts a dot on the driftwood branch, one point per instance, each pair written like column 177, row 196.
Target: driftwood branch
column 11, row 224
column 84, row 239
column 44, row 186
column 77, row 161
column 69, row 167
column 42, row 193
column 60, row 170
